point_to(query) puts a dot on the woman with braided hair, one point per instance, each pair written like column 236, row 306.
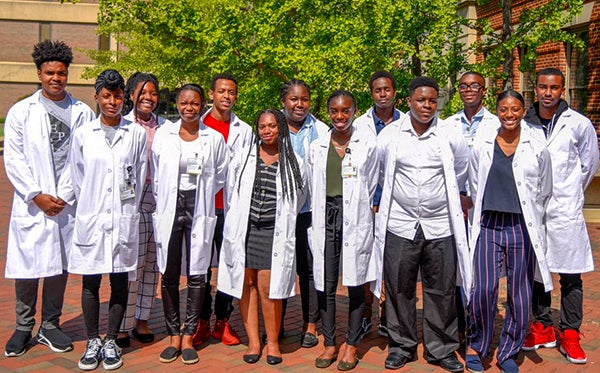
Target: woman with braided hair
column 258, row 259
column 107, row 165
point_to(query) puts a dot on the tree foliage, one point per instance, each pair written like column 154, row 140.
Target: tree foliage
column 329, row 44
column 526, row 31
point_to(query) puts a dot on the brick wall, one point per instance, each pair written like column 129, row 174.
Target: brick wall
column 17, row 40
column 12, row 94
column 554, row 54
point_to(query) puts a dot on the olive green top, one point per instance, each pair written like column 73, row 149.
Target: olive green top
column 334, row 185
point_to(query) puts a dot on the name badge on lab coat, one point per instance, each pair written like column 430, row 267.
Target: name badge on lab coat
column 348, row 168
column 194, row 166
column 127, row 189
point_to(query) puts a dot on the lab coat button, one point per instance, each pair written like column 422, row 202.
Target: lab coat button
column 109, row 170
column 194, row 235
column 523, row 203
column 108, row 211
column 275, row 254
column 277, row 234
column 346, row 223
column 346, row 244
column 109, row 190
column 346, row 202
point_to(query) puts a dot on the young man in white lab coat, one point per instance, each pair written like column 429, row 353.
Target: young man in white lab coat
column 573, row 146
column 37, row 140
column 472, row 118
column 237, row 135
column 420, row 227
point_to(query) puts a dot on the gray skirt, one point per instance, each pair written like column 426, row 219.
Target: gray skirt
column 259, row 244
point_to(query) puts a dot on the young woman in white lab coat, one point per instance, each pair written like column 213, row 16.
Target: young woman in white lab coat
column 511, row 182
column 342, row 169
column 141, row 102
column 189, row 162
column 258, row 258
column 108, row 166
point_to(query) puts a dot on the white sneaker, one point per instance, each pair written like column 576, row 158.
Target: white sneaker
column 111, row 355
column 91, row 356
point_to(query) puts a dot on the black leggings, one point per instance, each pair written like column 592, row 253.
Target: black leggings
column 90, row 303
column 182, row 225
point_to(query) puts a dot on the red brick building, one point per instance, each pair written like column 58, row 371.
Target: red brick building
column 581, row 67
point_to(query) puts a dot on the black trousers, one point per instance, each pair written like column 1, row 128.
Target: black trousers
column 223, row 301
column 304, row 269
column 326, row 299
column 182, row 225
column 571, row 302
column 90, row 303
column 436, row 259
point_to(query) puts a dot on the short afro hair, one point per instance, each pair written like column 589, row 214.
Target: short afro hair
column 47, row 50
column 422, row 81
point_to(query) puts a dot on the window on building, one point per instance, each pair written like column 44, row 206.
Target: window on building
column 45, row 31
column 578, row 73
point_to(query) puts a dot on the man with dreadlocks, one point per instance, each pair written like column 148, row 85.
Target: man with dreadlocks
column 37, row 140
column 258, row 257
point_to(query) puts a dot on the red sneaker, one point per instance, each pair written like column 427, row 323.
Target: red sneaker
column 225, row 333
column 570, row 347
column 539, row 336
column 202, row 333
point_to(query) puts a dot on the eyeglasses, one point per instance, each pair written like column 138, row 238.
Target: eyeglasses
column 475, row 87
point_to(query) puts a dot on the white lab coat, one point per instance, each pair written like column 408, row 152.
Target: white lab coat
column 488, row 122
column 105, row 238
column 232, row 262
column 365, row 121
column 573, row 147
column 166, row 152
column 240, row 133
column 37, row 244
column 532, row 171
column 455, row 154
column 357, row 262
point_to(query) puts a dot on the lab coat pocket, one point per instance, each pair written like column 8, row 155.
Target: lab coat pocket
column 126, row 250
column 203, row 230
column 86, row 230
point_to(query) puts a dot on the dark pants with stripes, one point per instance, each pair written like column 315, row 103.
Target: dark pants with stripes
column 436, row 259
column 326, row 299
column 503, row 241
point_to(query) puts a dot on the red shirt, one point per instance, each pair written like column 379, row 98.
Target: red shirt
column 223, row 129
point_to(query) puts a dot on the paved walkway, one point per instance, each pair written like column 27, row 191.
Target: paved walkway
column 216, row 357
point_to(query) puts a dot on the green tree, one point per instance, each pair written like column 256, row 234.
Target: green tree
column 329, row 44
column 526, row 32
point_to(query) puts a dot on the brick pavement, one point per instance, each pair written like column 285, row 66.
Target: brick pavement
column 217, row 357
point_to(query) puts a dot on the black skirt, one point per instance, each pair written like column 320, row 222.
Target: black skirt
column 259, row 244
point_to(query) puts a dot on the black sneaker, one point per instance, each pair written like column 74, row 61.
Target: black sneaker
column 365, row 327
column 111, row 355
column 55, row 339
column 91, row 356
column 17, row 344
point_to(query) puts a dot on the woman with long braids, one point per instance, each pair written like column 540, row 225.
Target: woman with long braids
column 258, row 258
column 107, row 162
column 189, row 161
column 141, row 101
column 342, row 170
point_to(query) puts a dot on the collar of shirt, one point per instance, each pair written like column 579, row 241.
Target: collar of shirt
column 470, row 128
column 380, row 124
column 407, row 126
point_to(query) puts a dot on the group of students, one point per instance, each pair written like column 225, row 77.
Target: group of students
column 374, row 200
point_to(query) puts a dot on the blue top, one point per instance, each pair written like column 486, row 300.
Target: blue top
column 500, row 189
column 379, row 125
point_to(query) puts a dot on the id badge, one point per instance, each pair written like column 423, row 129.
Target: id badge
column 348, row 169
column 470, row 141
column 194, row 166
column 127, row 191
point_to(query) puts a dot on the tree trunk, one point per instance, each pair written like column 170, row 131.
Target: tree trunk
column 507, row 66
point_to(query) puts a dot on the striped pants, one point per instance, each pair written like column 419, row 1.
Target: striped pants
column 142, row 291
column 503, row 241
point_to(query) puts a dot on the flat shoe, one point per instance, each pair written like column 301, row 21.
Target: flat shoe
column 309, row 340
column 169, row 354
column 189, row 356
column 274, row 360
column 123, row 342
column 251, row 358
column 473, row 363
column 344, row 365
column 142, row 337
column 324, row 363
